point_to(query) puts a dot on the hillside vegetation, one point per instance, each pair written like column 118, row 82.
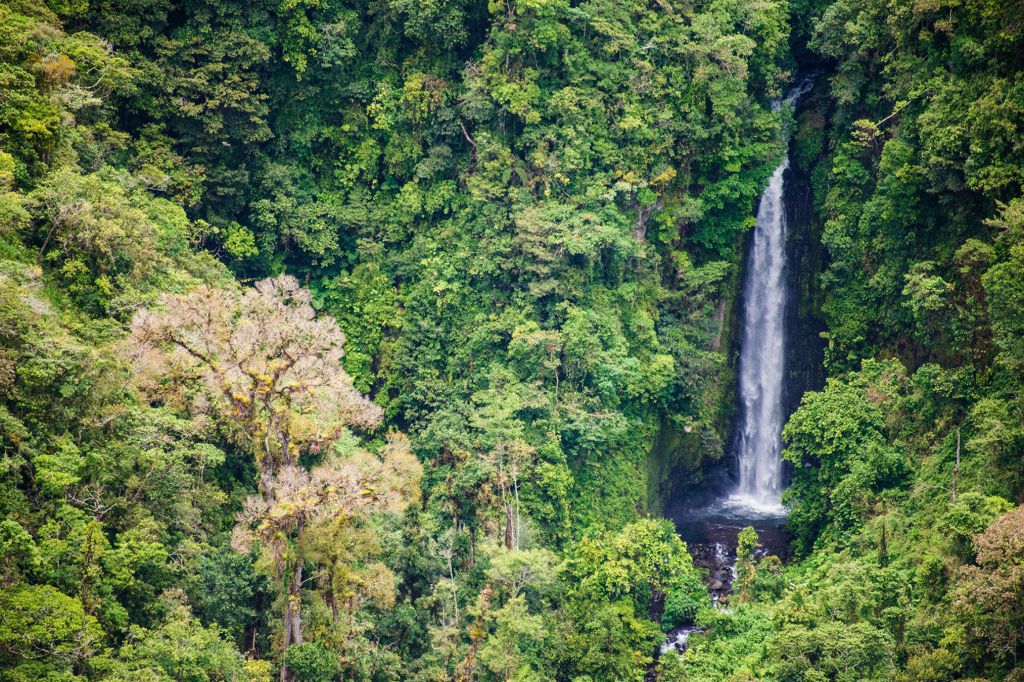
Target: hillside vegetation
column 365, row 340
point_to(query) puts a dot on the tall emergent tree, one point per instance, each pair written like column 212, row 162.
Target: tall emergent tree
column 268, row 370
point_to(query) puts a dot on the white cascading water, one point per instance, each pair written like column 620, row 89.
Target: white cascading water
column 762, row 355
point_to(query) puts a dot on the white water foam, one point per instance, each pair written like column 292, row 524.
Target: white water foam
column 677, row 641
column 762, row 356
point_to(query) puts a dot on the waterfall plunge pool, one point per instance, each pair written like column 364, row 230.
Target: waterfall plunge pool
column 719, row 524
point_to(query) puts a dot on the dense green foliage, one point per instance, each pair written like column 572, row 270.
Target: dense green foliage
column 907, row 462
column 496, row 249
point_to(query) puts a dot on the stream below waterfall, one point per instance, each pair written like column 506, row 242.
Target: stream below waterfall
column 711, row 534
column 711, row 531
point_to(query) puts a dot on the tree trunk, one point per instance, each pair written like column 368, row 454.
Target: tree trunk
column 519, row 523
column 285, row 674
column 49, row 234
column 267, row 478
column 508, row 526
column 464, row 672
column 292, row 619
column 295, row 600
column 334, row 596
column 956, row 469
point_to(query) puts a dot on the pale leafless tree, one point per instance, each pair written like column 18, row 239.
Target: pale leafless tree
column 268, row 369
column 259, row 360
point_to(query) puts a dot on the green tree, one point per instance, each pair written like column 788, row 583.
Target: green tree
column 41, row 624
column 834, row 651
column 180, row 649
column 988, row 599
column 837, row 442
column 748, row 566
column 1004, row 286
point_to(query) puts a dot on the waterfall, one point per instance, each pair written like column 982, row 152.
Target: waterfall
column 762, row 355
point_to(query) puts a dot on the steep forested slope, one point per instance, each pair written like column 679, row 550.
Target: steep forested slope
column 915, row 446
column 360, row 340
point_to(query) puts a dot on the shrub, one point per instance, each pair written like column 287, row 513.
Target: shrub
column 312, row 663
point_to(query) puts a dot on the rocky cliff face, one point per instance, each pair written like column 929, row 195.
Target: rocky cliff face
column 682, row 471
column 805, row 254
